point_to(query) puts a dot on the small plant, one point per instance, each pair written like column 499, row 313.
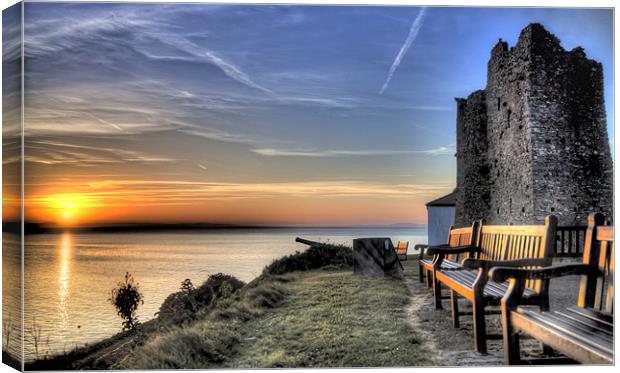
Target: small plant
column 126, row 298
column 35, row 333
column 192, row 303
column 187, row 286
column 7, row 328
column 226, row 290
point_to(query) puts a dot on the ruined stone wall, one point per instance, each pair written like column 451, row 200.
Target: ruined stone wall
column 572, row 168
column 547, row 148
column 472, row 167
column 509, row 154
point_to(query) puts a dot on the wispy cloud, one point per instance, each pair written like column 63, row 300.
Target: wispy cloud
column 113, row 125
column 130, row 83
column 221, row 135
column 413, row 33
column 121, row 32
column 205, row 55
column 59, row 153
column 150, row 105
column 442, row 150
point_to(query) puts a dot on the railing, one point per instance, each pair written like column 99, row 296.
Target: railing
column 570, row 239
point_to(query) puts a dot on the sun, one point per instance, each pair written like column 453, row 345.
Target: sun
column 67, row 208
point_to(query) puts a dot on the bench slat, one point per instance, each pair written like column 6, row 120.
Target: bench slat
column 591, row 323
column 428, row 264
column 573, row 347
column 592, row 314
column 492, row 289
column 586, row 336
column 581, row 328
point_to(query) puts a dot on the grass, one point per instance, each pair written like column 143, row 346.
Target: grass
column 202, row 346
column 304, row 319
column 213, row 341
column 193, row 303
column 334, row 319
column 319, row 256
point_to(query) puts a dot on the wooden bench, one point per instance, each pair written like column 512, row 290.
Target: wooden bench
column 508, row 245
column 401, row 249
column 583, row 332
column 457, row 237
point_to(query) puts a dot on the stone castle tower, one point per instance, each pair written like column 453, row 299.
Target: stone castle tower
column 534, row 141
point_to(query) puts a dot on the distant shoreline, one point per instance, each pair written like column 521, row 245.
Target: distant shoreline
column 37, row 228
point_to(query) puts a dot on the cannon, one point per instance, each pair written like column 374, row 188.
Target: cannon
column 371, row 256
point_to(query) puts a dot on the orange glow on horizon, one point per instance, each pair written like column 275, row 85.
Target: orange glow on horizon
column 277, row 204
column 10, row 207
column 67, row 209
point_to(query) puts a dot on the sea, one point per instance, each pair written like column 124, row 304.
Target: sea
column 69, row 276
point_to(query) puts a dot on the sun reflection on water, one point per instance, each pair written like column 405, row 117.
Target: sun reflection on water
column 66, row 251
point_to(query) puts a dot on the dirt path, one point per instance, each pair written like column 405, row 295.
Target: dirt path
column 454, row 347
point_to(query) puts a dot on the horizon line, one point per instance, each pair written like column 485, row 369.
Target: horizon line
column 29, row 225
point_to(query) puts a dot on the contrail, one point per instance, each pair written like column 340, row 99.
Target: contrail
column 413, row 33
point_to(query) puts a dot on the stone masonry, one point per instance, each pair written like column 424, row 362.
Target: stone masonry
column 534, row 142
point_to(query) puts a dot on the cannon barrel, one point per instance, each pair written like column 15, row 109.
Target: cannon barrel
column 308, row 242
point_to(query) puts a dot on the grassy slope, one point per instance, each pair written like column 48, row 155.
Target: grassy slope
column 325, row 319
column 335, row 319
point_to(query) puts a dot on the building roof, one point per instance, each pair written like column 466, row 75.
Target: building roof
column 447, row 200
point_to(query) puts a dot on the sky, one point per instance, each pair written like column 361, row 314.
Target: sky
column 257, row 114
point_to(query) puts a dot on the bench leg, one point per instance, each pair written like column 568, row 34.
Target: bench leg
column 547, row 351
column 512, row 350
column 544, row 307
column 454, row 300
column 480, row 336
column 437, row 293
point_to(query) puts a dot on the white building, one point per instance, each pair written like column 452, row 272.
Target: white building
column 441, row 213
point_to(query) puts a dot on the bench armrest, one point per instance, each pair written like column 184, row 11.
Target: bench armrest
column 503, row 273
column 471, row 263
column 422, row 246
column 446, row 250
